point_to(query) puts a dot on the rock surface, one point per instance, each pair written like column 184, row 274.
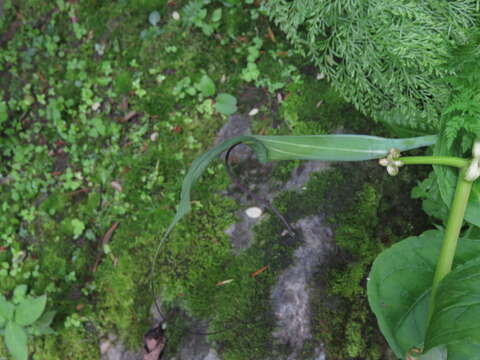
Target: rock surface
column 291, row 295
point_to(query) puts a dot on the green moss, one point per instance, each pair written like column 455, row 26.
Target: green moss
column 71, row 344
column 344, row 322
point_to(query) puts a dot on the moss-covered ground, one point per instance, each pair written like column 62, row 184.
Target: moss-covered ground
column 101, row 113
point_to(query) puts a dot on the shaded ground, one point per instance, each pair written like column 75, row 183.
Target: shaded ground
column 101, row 113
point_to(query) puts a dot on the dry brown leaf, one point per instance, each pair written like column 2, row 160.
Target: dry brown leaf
column 129, row 116
column 105, row 241
column 116, row 185
column 259, row 271
column 224, row 282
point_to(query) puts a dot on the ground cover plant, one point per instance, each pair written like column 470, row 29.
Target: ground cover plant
column 422, row 289
column 104, row 105
column 424, row 308
column 94, row 96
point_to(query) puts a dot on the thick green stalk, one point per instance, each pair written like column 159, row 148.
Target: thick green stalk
column 434, row 160
column 450, row 239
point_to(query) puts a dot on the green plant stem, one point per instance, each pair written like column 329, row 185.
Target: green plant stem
column 450, row 239
column 435, row 160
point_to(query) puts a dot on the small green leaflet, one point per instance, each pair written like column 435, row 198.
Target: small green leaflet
column 226, row 104
column 6, row 309
column 16, row 341
column 206, row 86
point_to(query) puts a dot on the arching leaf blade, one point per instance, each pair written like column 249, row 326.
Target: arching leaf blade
column 313, row 147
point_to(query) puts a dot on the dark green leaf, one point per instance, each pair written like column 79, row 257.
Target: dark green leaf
column 456, row 316
column 3, row 112
column 42, row 325
column 463, row 351
column 400, row 285
column 30, row 310
column 226, row 104
column 439, row 353
column 447, row 179
column 16, row 341
column 206, row 86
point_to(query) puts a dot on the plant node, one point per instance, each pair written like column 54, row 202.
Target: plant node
column 391, row 162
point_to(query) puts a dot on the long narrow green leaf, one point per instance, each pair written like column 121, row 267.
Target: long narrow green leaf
column 312, row 147
column 337, row 147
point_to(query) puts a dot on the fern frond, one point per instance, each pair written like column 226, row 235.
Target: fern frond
column 386, row 57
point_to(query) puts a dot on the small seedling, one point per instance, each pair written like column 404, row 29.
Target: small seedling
column 22, row 316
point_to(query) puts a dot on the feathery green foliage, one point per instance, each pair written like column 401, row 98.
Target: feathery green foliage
column 386, row 57
column 461, row 115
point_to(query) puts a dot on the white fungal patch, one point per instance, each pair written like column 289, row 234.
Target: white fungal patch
column 254, row 212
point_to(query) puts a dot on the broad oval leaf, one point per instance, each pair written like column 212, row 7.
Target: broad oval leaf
column 400, row 285
column 447, row 178
column 29, row 310
column 6, row 308
column 226, row 104
column 16, row 341
column 456, row 316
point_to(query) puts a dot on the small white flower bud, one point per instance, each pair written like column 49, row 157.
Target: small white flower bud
column 392, row 170
column 394, row 153
column 383, row 162
column 473, row 171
